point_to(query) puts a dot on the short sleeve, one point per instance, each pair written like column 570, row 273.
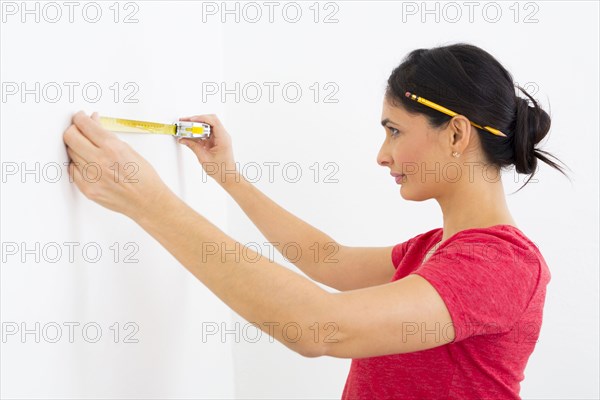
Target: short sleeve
column 399, row 250
column 485, row 281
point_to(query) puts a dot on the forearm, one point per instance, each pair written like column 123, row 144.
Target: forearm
column 260, row 291
column 288, row 233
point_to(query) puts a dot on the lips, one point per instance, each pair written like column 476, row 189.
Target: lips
column 399, row 177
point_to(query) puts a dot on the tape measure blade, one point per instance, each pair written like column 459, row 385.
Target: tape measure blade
column 130, row 125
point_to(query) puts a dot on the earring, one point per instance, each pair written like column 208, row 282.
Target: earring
column 455, row 154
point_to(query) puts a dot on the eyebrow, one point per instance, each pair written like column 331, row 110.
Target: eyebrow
column 387, row 120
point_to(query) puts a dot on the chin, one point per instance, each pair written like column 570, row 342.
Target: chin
column 408, row 193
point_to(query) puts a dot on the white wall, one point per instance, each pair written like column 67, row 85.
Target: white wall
column 165, row 302
column 363, row 207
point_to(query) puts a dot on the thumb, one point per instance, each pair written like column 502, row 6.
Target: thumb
column 95, row 116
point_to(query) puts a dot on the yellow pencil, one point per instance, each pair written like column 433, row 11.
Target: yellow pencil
column 449, row 112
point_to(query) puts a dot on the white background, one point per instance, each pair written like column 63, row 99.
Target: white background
column 168, row 54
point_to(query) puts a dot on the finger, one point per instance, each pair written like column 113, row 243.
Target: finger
column 96, row 116
column 76, row 157
column 92, row 128
column 80, row 143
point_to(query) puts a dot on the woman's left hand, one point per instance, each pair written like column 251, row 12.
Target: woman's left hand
column 108, row 171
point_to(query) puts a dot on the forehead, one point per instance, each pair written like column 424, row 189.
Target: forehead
column 397, row 114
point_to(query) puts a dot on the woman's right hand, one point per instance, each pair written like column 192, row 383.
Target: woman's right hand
column 215, row 153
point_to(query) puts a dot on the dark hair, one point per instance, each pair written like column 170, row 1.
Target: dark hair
column 469, row 81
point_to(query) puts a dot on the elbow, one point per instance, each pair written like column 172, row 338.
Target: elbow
column 319, row 327
column 311, row 350
column 311, row 343
column 330, row 333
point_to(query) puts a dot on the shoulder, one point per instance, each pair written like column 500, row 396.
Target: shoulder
column 486, row 275
column 499, row 241
column 501, row 254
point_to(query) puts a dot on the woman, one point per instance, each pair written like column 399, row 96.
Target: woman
column 451, row 313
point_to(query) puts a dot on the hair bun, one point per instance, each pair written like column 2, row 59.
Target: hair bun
column 532, row 125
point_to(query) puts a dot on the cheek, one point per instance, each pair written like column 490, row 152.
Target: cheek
column 408, row 157
column 416, row 160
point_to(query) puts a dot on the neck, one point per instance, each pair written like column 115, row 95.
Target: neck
column 476, row 204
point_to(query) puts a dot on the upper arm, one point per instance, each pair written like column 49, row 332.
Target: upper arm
column 403, row 316
column 360, row 267
column 479, row 284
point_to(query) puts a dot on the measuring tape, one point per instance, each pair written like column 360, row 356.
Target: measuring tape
column 179, row 129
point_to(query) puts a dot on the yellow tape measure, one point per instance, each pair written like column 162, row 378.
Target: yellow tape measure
column 178, row 129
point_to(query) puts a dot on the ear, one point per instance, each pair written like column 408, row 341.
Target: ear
column 460, row 132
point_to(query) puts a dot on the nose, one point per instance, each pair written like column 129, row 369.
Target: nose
column 383, row 157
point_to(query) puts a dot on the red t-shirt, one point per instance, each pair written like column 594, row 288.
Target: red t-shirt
column 493, row 282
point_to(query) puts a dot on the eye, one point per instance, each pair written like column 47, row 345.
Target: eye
column 393, row 131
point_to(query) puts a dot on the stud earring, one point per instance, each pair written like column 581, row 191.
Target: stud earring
column 455, row 154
